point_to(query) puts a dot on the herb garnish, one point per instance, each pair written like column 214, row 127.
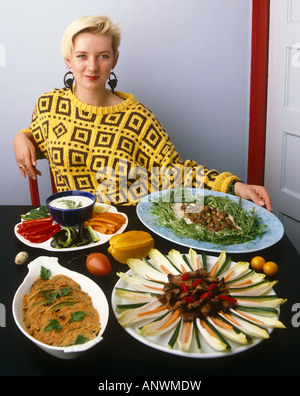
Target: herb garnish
column 80, row 340
column 77, row 316
column 53, row 325
column 70, row 204
column 45, row 273
column 52, row 296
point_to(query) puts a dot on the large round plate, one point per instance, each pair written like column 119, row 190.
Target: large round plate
column 161, row 342
column 47, row 244
column 274, row 233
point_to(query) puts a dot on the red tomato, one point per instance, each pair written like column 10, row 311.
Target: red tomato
column 98, row 264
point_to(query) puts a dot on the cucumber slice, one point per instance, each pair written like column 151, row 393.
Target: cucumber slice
column 174, row 337
column 93, row 234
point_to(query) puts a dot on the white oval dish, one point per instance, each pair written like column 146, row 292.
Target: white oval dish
column 87, row 285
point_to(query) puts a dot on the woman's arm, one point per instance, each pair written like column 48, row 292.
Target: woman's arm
column 258, row 194
column 25, row 154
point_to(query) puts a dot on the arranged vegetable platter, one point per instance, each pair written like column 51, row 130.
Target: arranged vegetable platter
column 96, row 238
column 138, row 302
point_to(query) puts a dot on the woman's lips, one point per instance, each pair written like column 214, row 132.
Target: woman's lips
column 92, row 78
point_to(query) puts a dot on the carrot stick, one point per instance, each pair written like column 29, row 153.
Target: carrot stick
column 155, row 280
column 248, row 316
column 230, row 318
column 110, row 216
column 171, row 319
column 111, row 223
column 152, row 287
column 228, row 276
column 220, row 323
column 188, row 327
column 214, row 269
column 165, row 270
column 110, row 226
column 247, row 282
column 102, row 230
column 152, row 311
column 207, row 328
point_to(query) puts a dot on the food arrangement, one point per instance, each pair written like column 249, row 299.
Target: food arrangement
column 37, row 227
column 57, row 312
column 197, row 302
column 59, row 298
column 193, row 304
column 217, row 219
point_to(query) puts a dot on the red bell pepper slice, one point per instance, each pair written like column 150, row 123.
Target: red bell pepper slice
column 45, row 230
column 227, row 298
column 205, row 295
column 185, row 276
column 184, row 287
column 36, row 221
column 29, row 224
column 212, row 286
column 41, row 235
column 197, row 282
column 38, row 238
column 189, row 299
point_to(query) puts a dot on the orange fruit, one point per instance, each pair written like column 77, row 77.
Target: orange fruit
column 270, row 268
column 257, row 263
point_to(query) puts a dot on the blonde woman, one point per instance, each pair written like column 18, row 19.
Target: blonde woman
column 104, row 141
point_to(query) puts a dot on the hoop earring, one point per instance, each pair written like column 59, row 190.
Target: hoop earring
column 69, row 81
column 112, row 82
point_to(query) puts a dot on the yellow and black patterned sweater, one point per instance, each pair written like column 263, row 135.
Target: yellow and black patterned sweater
column 120, row 153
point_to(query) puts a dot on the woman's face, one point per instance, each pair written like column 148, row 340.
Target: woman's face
column 92, row 60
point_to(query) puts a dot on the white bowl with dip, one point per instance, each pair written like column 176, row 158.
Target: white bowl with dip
column 70, row 208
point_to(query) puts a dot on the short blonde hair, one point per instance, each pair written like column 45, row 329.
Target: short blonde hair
column 93, row 24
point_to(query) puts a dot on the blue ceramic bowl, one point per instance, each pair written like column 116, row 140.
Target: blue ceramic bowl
column 73, row 214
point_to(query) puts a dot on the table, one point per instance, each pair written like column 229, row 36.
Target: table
column 121, row 355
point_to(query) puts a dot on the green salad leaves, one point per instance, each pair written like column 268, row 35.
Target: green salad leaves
column 248, row 222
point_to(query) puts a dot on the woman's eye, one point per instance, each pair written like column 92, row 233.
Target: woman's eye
column 100, row 56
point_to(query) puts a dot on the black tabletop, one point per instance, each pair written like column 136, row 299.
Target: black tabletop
column 119, row 354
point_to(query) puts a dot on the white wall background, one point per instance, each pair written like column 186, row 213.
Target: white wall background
column 188, row 61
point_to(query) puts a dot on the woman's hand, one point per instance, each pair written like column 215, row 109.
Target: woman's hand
column 258, row 194
column 25, row 155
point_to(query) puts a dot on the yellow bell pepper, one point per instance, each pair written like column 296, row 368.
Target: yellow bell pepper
column 130, row 244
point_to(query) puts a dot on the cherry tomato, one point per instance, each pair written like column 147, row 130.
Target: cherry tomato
column 98, row 264
column 270, row 268
column 257, row 263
